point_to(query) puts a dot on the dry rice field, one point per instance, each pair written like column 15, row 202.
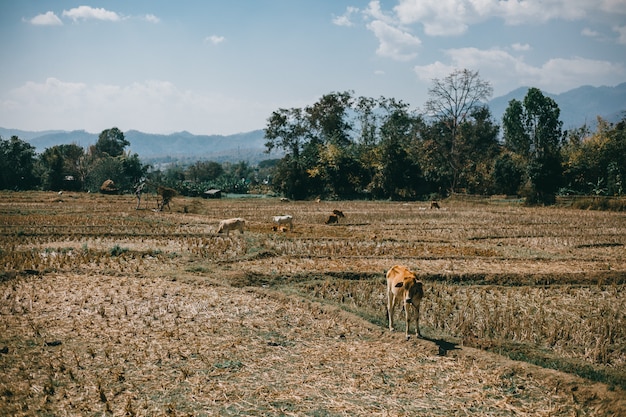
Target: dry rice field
column 110, row 311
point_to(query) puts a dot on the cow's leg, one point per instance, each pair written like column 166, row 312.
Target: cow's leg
column 390, row 308
column 406, row 315
column 417, row 321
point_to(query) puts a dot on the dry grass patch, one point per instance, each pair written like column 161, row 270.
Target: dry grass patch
column 108, row 309
column 157, row 346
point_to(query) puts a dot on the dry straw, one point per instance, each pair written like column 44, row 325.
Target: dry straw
column 108, row 309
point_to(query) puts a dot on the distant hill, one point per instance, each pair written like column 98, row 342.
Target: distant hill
column 249, row 146
column 578, row 106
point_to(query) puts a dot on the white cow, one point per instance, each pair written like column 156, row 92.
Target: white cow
column 231, row 224
column 283, row 220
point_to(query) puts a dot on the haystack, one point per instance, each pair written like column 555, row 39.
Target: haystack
column 108, row 187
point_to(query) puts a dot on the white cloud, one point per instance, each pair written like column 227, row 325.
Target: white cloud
column 521, row 47
column 439, row 17
column 375, row 12
column 590, row 33
column 454, row 17
column 87, row 12
column 394, row 43
column 214, row 39
column 150, row 106
column 506, row 71
column 346, row 18
column 151, row 18
column 621, row 30
column 46, row 19
column 613, row 6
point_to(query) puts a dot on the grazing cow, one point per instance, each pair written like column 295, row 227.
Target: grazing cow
column 284, row 200
column 334, row 218
column 231, row 224
column 338, row 213
column 282, row 220
column 434, row 205
column 403, row 287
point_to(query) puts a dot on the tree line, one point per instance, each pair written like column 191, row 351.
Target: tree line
column 343, row 147
column 349, row 147
column 73, row 168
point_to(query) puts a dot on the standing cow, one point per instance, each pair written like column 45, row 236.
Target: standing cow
column 283, row 220
column 404, row 288
column 231, row 224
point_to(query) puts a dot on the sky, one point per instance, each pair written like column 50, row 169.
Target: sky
column 223, row 66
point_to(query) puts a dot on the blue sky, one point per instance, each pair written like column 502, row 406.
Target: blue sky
column 222, row 67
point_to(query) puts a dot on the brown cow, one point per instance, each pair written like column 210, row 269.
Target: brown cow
column 231, row 224
column 338, row 213
column 434, row 205
column 334, row 218
column 404, row 287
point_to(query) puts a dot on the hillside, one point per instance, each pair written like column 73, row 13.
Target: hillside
column 248, row 146
column 578, row 106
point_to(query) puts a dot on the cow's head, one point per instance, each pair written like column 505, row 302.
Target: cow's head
column 413, row 289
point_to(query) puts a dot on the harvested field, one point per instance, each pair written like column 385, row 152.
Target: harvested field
column 109, row 310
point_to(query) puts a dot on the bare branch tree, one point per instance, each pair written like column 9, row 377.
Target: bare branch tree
column 451, row 101
column 453, row 98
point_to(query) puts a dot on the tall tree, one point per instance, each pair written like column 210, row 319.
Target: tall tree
column 288, row 129
column 17, row 164
column 61, row 162
column 328, row 119
column 397, row 174
column 477, row 151
column 532, row 130
column 111, row 142
column 53, row 173
column 451, row 101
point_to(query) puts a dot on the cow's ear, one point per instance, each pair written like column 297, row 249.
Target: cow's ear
column 399, row 284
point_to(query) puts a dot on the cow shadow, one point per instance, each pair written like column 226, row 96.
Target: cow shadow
column 443, row 345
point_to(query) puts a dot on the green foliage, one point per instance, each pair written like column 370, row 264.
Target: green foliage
column 343, row 147
column 63, row 167
column 17, row 165
column 594, row 163
column 507, row 174
column 111, row 142
column 532, row 131
column 52, row 164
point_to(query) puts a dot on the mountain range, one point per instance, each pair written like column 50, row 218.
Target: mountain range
column 579, row 106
